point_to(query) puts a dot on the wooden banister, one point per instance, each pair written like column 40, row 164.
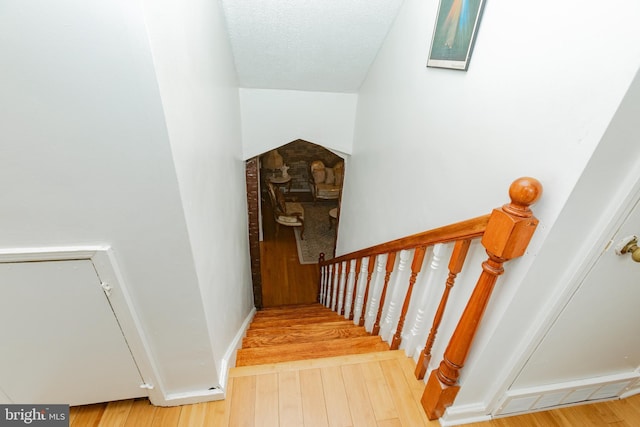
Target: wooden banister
column 455, row 266
column 469, row 229
column 505, row 234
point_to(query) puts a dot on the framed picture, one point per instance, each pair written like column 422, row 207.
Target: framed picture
column 454, row 34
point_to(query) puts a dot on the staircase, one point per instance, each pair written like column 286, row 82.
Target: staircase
column 300, row 332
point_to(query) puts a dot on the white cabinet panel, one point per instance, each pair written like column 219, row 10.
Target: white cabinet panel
column 60, row 341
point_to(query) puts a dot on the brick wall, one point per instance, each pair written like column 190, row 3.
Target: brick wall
column 298, row 155
column 254, row 228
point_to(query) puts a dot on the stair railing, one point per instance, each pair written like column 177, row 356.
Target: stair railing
column 505, row 234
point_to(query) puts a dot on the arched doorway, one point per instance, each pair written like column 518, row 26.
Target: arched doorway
column 297, row 156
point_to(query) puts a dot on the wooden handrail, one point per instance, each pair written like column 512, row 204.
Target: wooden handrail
column 468, row 229
column 505, row 234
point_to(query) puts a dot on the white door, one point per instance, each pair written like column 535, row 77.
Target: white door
column 598, row 333
column 60, row 341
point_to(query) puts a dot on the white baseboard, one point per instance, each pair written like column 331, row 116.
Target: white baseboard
column 229, row 359
column 188, row 398
column 217, row 393
column 552, row 396
column 557, row 395
column 464, row 414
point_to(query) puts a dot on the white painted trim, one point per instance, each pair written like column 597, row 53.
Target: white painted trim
column 122, row 304
column 633, row 389
column 220, row 392
column 465, row 414
column 632, row 392
column 583, row 261
column 588, row 390
column 103, row 260
column 58, row 253
column 229, row 359
column 191, row 397
column 478, row 412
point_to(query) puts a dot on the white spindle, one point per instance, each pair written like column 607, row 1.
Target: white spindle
column 323, row 290
column 327, row 296
column 413, row 341
column 342, row 282
column 362, row 283
column 350, row 284
column 395, row 296
column 377, row 281
column 334, row 290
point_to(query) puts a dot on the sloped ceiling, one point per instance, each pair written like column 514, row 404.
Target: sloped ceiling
column 313, row 45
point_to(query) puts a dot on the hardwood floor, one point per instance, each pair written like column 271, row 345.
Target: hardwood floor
column 284, row 280
column 375, row 389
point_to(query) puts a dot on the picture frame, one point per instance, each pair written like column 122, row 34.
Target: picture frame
column 454, row 34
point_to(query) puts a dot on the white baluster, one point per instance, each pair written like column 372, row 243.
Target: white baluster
column 342, row 282
column 400, row 282
column 377, row 283
column 362, row 283
column 350, row 284
column 413, row 341
column 327, row 300
column 323, row 273
column 334, row 291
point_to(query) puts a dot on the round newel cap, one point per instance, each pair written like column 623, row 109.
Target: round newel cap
column 525, row 191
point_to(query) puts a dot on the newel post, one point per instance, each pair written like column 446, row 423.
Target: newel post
column 506, row 237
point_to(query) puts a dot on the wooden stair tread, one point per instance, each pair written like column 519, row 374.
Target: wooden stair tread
column 319, row 310
column 268, row 323
column 324, row 362
column 311, row 350
column 303, row 335
column 290, row 307
column 283, row 330
column 296, row 314
column 294, row 307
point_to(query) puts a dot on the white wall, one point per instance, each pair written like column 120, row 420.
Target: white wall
column 85, row 159
column 271, row 118
column 199, row 94
column 613, row 170
column 445, row 145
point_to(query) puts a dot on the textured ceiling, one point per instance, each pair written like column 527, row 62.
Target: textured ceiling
column 315, row 45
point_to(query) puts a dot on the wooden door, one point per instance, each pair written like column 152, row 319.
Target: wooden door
column 59, row 338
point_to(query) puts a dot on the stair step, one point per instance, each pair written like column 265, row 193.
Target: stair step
column 303, row 335
column 284, row 330
column 269, row 323
column 311, row 350
column 291, row 307
column 293, row 315
column 290, row 312
column 327, row 362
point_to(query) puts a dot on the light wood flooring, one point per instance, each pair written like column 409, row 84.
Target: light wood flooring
column 375, row 389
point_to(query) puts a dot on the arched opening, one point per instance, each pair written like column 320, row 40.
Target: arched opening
column 283, row 259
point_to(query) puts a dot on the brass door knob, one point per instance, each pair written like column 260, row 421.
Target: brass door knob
column 632, row 247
